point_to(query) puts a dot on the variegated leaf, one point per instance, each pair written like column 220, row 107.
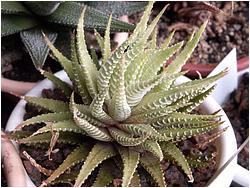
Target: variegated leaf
column 75, row 157
column 99, row 153
column 171, row 149
column 130, row 160
column 153, row 166
column 125, row 139
column 119, row 108
column 88, row 68
column 48, row 104
column 65, row 87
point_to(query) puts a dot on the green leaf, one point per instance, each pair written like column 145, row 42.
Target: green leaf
column 79, row 82
column 125, row 139
column 42, row 8
column 36, row 46
column 64, row 61
column 153, row 166
column 88, row 67
column 93, row 131
column 181, row 59
column 99, row 153
column 105, row 175
column 157, row 59
column 82, row 111
column 117, row 8
column 197, row 100
column 48, row 104
column 143, row 130
column 178, row 134
column 64, row 137
column 49, row 117
column 61, row 126
column 167, row 40
column 119, row 108
column 136, row 91
column 65, row 87
column 173, row 151
column 153, row 147
column 66, row 177
column 106, row 50
column 135, row 181
column 130, row 160
column 15, row 23
column 75, row 157
column 13, row 7
column 68, row 14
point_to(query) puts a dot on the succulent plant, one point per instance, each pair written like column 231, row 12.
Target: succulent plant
column 53, row 17
column 129, row 110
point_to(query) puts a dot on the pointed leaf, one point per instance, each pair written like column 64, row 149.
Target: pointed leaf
column 157, row 60
column 171, row 149
column 118, row 8
column 75, row 157
column 130, row 160
column 153, row 166
column 65, row 87
column 64, row 137
column 135, row 92
column 82, row 111
column 105, row 175
column 153, row 147
column 178, row 134
column 125, row 139
column 88, row 68
column 64, row 61
column 62, row 126
column 98, row 133
column 99, row 153
column 181, row 59
column 167, row 40
column 94, row 18
column 42, row 8
column 49, row 117
column 119, row 107
column 13, row 7
column 106, row 50
column 48, row 104
column 14, row 23
column 37, row 48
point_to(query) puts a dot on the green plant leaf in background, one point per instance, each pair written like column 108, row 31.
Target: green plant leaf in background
column 13, row 7
column 54, row 16
column 13, row 24
column 117, row 8
column 43, row 8
column 37, row 48
column 68, row 14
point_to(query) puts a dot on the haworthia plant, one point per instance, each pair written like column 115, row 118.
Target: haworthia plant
column 134, row 114
column 30, row 18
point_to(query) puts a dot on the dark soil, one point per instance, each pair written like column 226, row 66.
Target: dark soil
column 174, row 175
column 16, row 63
column 222, row 34
column 237, row 110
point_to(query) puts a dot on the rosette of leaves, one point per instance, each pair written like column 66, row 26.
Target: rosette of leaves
column 53, row 17
column 125, row 113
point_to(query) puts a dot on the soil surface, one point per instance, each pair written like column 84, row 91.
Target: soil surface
column 173, row 174
column 237, row 110
column 16, row 63
column 223, row 32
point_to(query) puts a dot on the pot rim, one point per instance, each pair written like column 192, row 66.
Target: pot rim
column 205, row 69
column 226, row 144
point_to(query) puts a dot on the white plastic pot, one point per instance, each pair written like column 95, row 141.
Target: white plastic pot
column 226, row 144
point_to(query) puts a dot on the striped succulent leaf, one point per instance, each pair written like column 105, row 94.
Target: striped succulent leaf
column 130, row 108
